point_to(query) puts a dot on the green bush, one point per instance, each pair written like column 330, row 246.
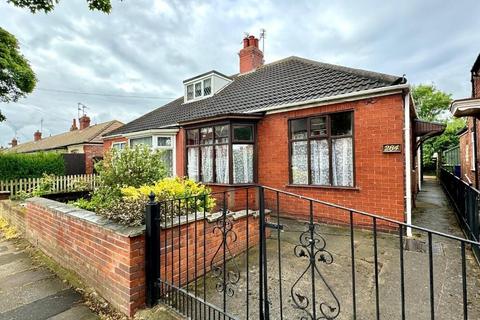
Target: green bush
column 130, row 167
column 30, row 165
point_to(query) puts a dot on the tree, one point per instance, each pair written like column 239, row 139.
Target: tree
column 431, row 103
column 16, row 76
column 48, row 5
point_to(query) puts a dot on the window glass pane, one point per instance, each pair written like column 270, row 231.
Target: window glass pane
column 198, row 89
column 192, row 137
column 164, row 141
column 318, row 127
column 341, row 123
column 206, row 135
column 221, row 134
column 138, row 141
column 342, row 162
column 192, row 163
column 242, row 163
column 299, row 162
column 298, row 128
column 221, row 163
column 243, row 133
column 119, row 146
column 207, row 87
column 190, row 92
column 207, row 164
column 167, row 157
column 319, row 162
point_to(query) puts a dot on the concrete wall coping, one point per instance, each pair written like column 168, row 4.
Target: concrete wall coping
column 88, row 216
column 132, row 231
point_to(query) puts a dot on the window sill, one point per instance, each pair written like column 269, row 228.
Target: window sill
column 321, row 187
column 214, row 184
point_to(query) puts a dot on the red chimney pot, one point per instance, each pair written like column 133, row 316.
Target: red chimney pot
column 84, row 122
column 37, row 136
column 74, row 125
column 251, row 57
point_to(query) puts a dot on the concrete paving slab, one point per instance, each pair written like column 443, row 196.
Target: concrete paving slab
column 78, row 312
column 28, row 291
column 44, row 308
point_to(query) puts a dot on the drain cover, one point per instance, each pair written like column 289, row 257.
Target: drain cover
column 416, row 245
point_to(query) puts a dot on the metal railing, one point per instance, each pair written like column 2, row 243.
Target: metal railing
column 223, row 267
column 465, row 200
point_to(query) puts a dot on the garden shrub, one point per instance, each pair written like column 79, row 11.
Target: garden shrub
column 131, row 167
column 30, row 165
column 130, row 209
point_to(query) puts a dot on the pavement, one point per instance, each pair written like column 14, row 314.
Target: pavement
column 31, row 292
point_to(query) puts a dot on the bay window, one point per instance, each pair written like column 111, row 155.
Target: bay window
column 221, row 153
column 321, row 150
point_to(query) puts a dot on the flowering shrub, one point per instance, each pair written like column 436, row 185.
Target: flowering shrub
column 130, row 209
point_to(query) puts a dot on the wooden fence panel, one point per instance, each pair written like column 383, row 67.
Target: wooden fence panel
column 60, row 183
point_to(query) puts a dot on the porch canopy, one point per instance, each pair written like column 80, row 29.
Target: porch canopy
column 423, row 130
column 466, row 107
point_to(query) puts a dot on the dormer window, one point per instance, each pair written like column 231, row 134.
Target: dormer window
column 205, row 85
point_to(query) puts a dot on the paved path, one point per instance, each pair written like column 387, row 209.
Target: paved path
column 29, row 292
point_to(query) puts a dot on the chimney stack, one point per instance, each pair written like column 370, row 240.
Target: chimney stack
column 74, row 125
column 84, row 122
column 37, row 136
column 251, row 57
column 14, row 142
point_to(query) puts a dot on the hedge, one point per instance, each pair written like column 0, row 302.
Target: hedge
column 31, row 165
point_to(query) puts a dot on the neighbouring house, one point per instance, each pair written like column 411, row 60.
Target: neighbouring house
column 469, row 146
column 84, row 142
column 334, row 133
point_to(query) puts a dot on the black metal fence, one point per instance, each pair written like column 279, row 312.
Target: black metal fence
column 464, row 199
column 263, row 253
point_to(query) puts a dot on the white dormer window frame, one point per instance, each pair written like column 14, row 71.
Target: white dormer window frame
column 204, row 86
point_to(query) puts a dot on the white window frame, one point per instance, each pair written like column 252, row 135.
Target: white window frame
column 155, row 146
column 173, row 147
column 114, row 144
column 202, row 89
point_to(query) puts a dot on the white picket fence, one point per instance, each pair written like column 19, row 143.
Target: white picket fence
column 60, row 184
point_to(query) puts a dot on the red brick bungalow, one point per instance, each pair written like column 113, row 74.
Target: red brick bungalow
column 325, row 131
column 469, row 146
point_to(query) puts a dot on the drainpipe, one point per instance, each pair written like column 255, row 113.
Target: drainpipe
column 419, row 166
column 408, row 162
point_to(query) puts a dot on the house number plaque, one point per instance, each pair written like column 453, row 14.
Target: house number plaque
column 392, row 148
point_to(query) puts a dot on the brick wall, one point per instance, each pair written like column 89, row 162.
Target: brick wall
column 107, row 258
column 92, row 151
column 14, row 214
column 379, row 177
column 180, row 153
column 111, row 258
column 466, row 150
column 182, row 260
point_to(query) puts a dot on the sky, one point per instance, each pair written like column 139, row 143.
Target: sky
column 133, row 60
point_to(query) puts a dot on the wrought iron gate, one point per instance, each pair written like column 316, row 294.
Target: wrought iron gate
column 262, row 253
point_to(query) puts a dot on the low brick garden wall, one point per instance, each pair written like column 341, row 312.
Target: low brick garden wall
column 14, row 213
column 110, row 257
